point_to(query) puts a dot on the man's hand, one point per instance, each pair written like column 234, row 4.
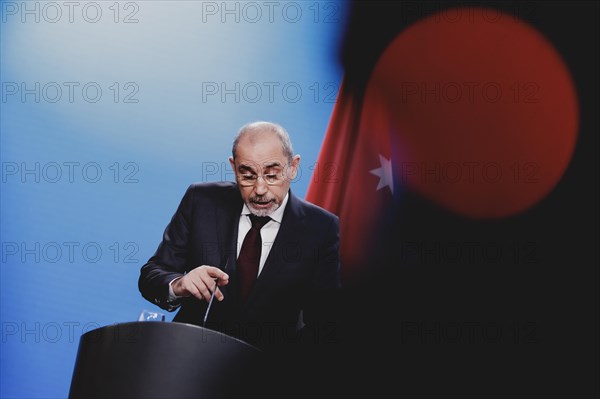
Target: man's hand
column 200, row 283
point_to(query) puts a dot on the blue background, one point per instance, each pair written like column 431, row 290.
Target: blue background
column 91, row 177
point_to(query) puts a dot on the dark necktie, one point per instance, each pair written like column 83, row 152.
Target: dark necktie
column 249, row 257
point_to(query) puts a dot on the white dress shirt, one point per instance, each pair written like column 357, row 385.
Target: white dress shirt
column 267, row 233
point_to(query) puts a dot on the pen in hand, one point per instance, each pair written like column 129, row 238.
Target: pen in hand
column 212, row 297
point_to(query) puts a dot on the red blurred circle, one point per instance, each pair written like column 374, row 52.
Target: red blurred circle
column 483, row 111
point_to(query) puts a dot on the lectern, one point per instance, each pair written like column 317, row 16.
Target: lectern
column 163, row 360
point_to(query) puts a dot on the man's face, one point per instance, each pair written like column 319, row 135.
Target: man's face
column 262, row 171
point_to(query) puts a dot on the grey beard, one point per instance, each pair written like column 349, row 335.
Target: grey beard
column 262, row 212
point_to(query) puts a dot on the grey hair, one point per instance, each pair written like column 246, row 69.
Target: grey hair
column 283, row 135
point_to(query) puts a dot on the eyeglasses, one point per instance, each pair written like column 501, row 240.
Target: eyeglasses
column 250, row 179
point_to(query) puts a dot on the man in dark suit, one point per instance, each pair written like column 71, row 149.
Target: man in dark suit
column 290, row 297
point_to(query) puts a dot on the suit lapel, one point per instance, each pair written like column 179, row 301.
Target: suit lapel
column 227, row 222
column 286, row 245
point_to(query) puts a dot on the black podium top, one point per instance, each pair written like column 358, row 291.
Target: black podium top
column 163, row 360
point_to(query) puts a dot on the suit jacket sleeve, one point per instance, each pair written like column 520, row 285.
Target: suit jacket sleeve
column 170, row 259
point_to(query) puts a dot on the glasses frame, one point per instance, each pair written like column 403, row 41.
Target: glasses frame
column 281, row 178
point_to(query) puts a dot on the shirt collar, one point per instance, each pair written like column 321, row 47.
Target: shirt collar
column 277, row 215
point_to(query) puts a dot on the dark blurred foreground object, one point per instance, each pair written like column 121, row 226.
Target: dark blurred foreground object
column 446, row 317
column 163, row 360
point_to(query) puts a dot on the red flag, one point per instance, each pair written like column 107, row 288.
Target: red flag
column 477, row 154
column 353, row 176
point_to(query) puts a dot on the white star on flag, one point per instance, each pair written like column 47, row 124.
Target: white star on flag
column 384, row 173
